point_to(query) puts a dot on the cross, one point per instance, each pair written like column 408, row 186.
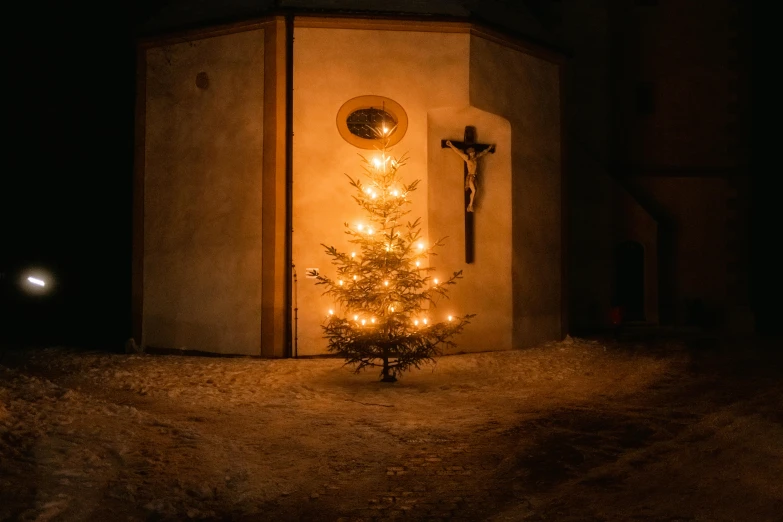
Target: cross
column 480, row 149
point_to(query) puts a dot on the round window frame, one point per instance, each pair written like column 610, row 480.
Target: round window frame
column 371, row 101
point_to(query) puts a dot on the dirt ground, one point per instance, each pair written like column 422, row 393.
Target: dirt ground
column 573, row 431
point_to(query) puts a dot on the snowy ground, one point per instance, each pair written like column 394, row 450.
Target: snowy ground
column 573, row 431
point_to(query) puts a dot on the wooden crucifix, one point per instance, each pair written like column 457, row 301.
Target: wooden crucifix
column 470, row 152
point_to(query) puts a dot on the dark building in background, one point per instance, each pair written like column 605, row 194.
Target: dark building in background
column 658, row 104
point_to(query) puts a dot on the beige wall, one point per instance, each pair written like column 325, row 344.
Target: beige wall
column 486, row 287
column 419, row 70
column 203, row 162
column 515, row 284
column 526, row 91
column 202, row 195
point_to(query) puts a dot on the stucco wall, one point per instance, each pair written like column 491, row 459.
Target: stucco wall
column 419, row 70
column 486, row 287
column 202, row 195
column 525, row 90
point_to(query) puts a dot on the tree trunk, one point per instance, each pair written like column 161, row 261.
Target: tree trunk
column 385, row 376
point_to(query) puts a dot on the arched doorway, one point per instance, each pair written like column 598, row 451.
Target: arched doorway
column 629, row 280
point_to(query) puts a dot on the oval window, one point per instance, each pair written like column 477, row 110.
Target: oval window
column 363, row 120
column 370, row 123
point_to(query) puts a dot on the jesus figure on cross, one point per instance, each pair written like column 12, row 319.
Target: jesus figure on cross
column 470, row 157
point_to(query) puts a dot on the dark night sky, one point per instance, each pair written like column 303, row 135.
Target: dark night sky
column 66, row 193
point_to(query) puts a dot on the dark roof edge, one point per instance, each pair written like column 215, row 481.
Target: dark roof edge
column 531, row 45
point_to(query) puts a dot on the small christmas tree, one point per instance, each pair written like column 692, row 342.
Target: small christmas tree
column 383, row 291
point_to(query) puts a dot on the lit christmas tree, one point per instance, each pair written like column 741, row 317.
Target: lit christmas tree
column 385, row 296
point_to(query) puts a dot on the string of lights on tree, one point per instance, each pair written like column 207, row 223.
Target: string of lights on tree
column 384, row 290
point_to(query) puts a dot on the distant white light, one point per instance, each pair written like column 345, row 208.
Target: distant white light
column 36, row 281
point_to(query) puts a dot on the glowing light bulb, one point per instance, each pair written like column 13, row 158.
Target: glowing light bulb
column 340, row 282
column 424, row 321
column 372, row 320
column 354, row 278
column 421, row 246
column 355, row 317
column 360, row 226
column 385, row 283
column 369, row 231
column 417, row 263
column 450, row 318
column 353, row 254
column 367, row 190
column 374, row 195
column 331, row 312
column 436, row 280
column 416, row 322
column 363, row 322
column 376, row 162
column 385, row 130
column 391, row 308
column 395, row 193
